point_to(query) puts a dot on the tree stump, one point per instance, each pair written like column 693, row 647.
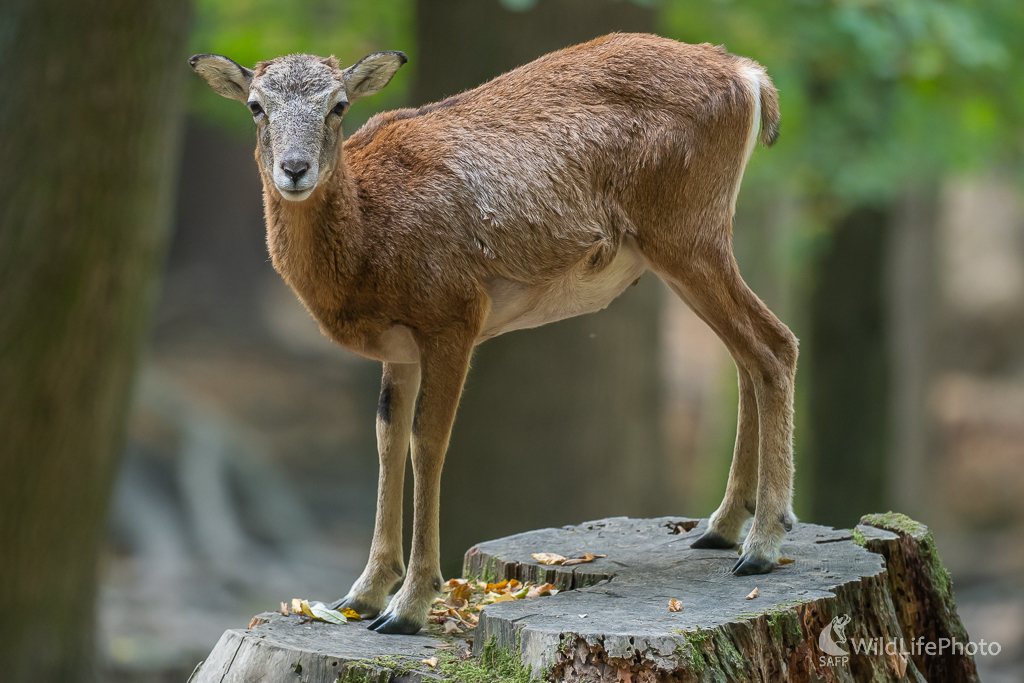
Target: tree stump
column 852, row 605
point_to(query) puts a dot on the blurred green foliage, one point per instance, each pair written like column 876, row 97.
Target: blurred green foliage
column 877, row 95
column 249, row 31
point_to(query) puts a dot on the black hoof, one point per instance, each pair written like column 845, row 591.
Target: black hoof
column 749, row 564
column 365, row 611
column 712, row 541
column 394, row 624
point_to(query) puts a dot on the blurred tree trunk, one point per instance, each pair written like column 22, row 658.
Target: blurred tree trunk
column 870, row 355
column 910, row 282
column 559, row 424
column 88, row 132
column 847, row 366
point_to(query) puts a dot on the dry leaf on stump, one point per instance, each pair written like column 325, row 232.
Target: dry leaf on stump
column 678, row 528
column 543, row 589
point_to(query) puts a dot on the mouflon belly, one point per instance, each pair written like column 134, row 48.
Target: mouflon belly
column 516, row 306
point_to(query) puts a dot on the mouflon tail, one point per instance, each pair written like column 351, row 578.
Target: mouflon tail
column 769, row 111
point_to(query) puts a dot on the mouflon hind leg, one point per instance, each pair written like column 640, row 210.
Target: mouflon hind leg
column 385, row 567
column 765, row 353
column 444, row 359
column 740, row 499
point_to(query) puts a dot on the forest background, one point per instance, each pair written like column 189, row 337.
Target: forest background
column 182, row 448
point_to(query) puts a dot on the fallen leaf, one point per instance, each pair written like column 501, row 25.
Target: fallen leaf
column 753, row 594
column 256, row 621
column 548, row 558
column 521, row 593
column 284, row 609
column 496, row 587
column 587, row 557
column 432, row 662
column 678, row 528
column 786, row 560
column 322, row 612
column 504, row 597
column 455, row 602
column 351, row 614
column 459, row 596
column 514, row 586
column 296, row 605
column 452, row 583
column 451, row 627
column 675, row 606
column 543, row 589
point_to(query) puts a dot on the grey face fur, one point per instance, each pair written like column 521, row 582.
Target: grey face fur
column 297, row 103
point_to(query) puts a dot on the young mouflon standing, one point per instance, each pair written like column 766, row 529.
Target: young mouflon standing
column 538, row 196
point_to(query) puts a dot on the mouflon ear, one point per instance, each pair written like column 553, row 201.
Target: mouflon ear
column 226, row 76
column 370, row 74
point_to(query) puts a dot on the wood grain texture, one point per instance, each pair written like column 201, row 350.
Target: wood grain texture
column 611, row 621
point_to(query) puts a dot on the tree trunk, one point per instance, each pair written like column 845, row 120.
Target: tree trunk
column 847, row 369
column 88, row 130
column 910, row 281
column 569, row 412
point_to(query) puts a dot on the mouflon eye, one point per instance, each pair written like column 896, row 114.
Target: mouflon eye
column 340, row 108
column 255, row 108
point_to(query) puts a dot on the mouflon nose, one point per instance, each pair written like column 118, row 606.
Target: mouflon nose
column 294, row 168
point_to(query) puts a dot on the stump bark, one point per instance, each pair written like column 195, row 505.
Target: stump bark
column 853, row 605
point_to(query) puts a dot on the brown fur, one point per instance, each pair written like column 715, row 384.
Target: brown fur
column 538, row 195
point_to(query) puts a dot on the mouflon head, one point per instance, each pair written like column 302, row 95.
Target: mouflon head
column 297, row 102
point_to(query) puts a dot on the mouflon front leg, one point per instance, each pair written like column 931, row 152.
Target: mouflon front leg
column 444, row 361
column 385, row 567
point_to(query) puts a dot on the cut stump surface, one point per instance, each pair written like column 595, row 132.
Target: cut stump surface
column 612, row 622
